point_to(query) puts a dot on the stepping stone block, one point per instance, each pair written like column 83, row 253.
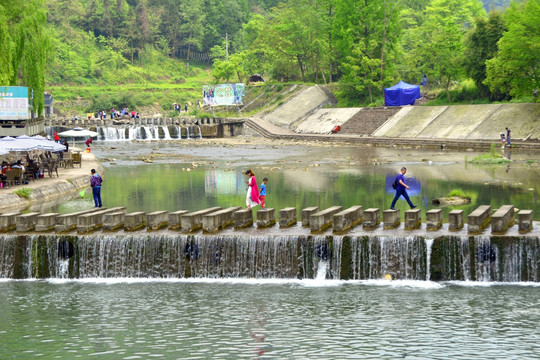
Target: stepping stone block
column 372, row 217
column 479, row 219
column 391, row 218
column 347, row 219
column 287, row 217
column 434, row 218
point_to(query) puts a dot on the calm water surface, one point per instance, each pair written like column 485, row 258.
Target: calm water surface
column 250, row 319
column 194, row 178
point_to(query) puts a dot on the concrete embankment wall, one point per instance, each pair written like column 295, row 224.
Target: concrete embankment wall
column 44, row 196
column 305, row 114
column 471, row 122
column 298, row 107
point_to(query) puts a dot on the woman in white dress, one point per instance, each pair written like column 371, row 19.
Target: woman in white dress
column 252, row 196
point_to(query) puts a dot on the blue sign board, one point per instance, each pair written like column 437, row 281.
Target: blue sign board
column 14, row 103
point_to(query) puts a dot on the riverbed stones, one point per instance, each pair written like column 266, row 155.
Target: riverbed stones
column 175, row 219
column 479, row 219
column 434, row 218
column 371, row 218
column 322, row 220
column 157, row 220
column 455, row 220
column 306, row 213
column 193, row 221
column 391, row 218
column 266, row 217
column 218, row 220
column 502, row 219
column 8, row 221
column 243, row 218
column 413, row 219
column 135, row 221
column 46, row 222
column 525, row 220
column 26, row 222
column 287, row 217
column 347, row 219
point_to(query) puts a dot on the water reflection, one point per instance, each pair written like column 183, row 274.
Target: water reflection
column 303, row 176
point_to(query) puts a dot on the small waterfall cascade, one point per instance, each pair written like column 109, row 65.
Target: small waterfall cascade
column 148, row 131
column 462, row 258
column 429, row 247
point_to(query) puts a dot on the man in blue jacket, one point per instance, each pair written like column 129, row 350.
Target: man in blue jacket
column 401, row 189
column 95, row 183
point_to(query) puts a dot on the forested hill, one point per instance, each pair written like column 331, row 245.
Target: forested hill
column 360, row 47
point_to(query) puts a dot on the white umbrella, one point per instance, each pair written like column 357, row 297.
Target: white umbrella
column 11, row 144
column 46, row 144
column 42, row 143
column 78, row 132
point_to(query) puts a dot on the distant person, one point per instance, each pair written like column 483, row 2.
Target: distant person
column 56, row 137
column 252, row 196
column 88, row 142
column 508, row 137
column 401, row 189
column 66, row 145
column 95, row 183
column 262, row 193
column 185, row 107
column 503, row 140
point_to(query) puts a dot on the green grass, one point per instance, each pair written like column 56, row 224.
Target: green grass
column 459, row 193
column 491, row 158
column 24, row 192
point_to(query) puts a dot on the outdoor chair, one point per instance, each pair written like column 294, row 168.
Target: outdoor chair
column 77, row 158
column 30, row 173
column 13, row 177
column 53, row 167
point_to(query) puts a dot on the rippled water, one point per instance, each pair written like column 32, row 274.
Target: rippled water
column 267, row 319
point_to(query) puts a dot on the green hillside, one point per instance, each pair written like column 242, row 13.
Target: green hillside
column 100, row 53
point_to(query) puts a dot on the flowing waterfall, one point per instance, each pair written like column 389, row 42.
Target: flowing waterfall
column 145, row 132
column 166, row 134
column 462, row 258
column 429, row 247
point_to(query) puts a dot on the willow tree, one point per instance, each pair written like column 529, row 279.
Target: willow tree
column 24, row 46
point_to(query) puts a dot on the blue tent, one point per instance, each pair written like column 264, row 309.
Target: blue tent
column 401, row 94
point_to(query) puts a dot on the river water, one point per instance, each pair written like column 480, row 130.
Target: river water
column 267, row 319
column 248, row 318
column 193, row 175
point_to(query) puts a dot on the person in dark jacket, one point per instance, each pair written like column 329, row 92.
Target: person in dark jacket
column 401, row 189
column 95, row 183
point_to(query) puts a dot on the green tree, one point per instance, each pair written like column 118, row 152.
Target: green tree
column 296, row 38
column 25, row 46
column 192, row 27
column 440, row 44
column 481, row 45
column 366, row 34
column 516, row 68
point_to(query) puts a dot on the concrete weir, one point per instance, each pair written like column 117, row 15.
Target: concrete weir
column 508, row 252
column 216, row 219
